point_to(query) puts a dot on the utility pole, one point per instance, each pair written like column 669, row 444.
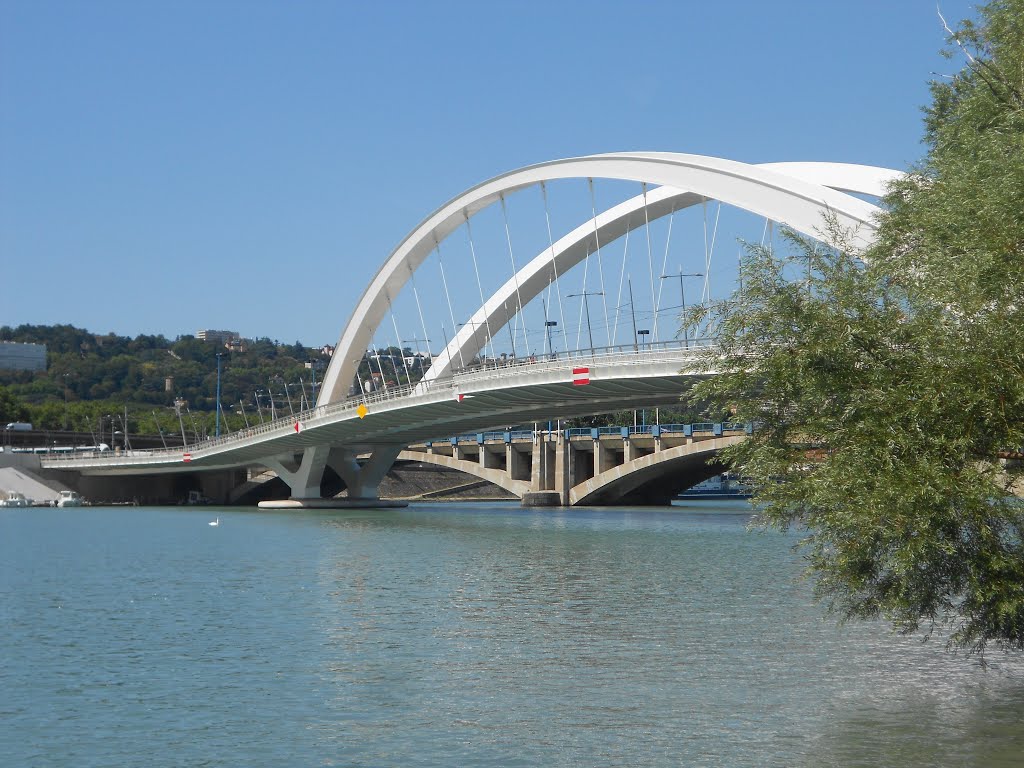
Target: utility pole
column 586, row 311
column 178, row 402
column 548, row 325
column 218, row 394
column 632, row 311
column 682, row 296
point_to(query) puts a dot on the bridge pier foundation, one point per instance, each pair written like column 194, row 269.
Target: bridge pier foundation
column 363, row 480
column 542, row 475
column 563, row 469
column 303, row 479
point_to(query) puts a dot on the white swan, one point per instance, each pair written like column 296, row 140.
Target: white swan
column 214, row 522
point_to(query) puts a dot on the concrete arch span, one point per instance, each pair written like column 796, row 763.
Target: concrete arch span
column 656, row 477
column 499, row 477
column 789, row 193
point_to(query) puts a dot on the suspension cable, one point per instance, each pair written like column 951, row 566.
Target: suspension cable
column 479, row 284
column 451, row 312
column 554, row 266
column 419, row 309
column 622, row 278
column 650, row 261
column 664, row 258
column 583, row 304
column 380, row 368
column 710, row 254
column 600, row 265
column 398, row 337
column 515, row 274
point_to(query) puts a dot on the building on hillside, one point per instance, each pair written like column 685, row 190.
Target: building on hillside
column 15, row 356
column 224, row 338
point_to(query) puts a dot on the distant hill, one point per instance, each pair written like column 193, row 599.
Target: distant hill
column 100, row 375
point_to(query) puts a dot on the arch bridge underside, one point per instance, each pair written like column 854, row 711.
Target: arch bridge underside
column 551, row 469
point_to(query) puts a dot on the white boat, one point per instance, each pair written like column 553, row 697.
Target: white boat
column 69, row 499
column 15, row 499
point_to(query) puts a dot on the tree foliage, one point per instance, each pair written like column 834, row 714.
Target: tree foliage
column 888, row 387
column 98, row 375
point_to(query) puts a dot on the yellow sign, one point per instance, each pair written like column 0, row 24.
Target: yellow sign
column 362, row 410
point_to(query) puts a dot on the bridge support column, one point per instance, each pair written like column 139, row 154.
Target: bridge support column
column 487, row 458
column 303, row 479
column 563, row 468
column 362, row 480
column 604, row 456
column 515, row 463
column 542, row 475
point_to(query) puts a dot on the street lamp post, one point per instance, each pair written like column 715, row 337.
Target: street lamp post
column 259, row 406
column 586, row 310
column 632, row 311
column 66, row 401
column 682, row 296
column 178, row 403
column 548, row 325
column 273, row 408
column 643, row 333
column 218, row 394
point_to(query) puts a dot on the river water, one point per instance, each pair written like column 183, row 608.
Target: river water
column 462, row 635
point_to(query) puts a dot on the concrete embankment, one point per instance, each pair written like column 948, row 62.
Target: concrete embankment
column 21, row 473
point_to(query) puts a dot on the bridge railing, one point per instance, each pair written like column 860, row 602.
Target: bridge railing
column 582, row 355
column 716, row 428
column 463, row 379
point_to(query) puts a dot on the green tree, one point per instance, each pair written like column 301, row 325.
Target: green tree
column 11, row 408
column 887, row 388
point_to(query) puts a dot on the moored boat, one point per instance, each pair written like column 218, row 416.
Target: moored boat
column 69, row 499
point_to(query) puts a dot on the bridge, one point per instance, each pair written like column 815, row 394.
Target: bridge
column 366, row 419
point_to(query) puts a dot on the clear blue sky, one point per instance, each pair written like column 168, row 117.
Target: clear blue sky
column 169, row 166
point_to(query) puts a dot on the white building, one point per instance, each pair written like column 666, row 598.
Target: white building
column 225, row 338
column 22, row 357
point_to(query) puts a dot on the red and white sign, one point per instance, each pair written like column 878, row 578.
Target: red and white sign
column 298, row 426
column 459, row 397
column 580, row 376
column 186, row 457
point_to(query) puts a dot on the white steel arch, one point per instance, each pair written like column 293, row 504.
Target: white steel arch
column 610, row 225
column 793, row 194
